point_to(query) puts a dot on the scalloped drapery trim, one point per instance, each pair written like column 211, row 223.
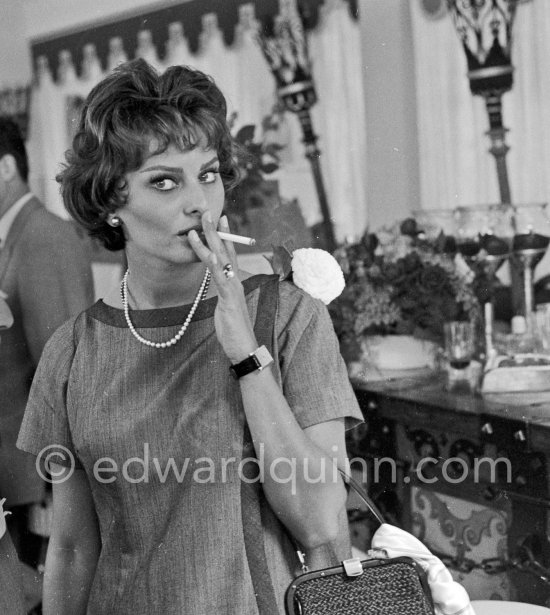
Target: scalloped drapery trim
column 156, row 35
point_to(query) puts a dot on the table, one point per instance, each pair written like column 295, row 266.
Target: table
column 466, row 474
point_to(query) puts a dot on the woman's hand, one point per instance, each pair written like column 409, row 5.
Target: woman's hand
column 232, row 321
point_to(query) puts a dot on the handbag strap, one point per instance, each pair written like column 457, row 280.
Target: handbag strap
column 254, row 506
column 373, row 509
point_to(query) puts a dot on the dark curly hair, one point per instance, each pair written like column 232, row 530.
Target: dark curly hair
column 122, row 115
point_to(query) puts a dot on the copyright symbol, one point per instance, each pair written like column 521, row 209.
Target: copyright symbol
column 60, row 455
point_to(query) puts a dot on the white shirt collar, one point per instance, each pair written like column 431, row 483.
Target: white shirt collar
column 7, row 219
column 2, row 518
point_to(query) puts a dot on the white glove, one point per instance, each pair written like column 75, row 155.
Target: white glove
column 449, row 597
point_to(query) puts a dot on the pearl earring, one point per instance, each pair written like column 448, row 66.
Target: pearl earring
column 114, row 221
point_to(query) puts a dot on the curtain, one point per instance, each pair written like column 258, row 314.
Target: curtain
column 244, row 77
column 338, row 68
column 455, row 165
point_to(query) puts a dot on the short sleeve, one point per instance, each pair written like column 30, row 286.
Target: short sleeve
column 45, row 426
column 314, row 376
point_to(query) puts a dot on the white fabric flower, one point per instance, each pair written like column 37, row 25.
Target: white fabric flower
column 318, row 273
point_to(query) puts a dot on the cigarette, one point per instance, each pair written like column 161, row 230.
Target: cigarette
column 247, row 241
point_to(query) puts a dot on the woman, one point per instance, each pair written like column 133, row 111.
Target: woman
column 163, row 512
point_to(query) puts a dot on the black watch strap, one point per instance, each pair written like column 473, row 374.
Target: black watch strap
column 257, row 360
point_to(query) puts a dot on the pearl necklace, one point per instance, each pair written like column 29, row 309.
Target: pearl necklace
column 203, row 291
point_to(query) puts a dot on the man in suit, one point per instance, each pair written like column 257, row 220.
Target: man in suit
column 11, row 594
column 46, row 274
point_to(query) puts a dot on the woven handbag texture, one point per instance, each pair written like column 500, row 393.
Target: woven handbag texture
column 391, row 589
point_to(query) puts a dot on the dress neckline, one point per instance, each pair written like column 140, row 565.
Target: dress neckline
column 166, row 317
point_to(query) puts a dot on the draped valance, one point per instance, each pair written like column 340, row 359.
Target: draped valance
column 160, row 29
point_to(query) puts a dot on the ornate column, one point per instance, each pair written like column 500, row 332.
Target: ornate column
column 285, row 48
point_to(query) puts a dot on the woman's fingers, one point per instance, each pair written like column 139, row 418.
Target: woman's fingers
column 219, row 255
column 214, row 242
column 229, row 246
column 206, row 255
column 230, row 267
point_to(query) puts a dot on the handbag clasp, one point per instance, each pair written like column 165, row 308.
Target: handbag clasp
column 353, row 567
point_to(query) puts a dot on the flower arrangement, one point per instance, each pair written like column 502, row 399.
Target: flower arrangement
column 400, row 282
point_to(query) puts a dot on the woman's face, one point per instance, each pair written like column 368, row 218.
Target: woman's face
column 166, row 197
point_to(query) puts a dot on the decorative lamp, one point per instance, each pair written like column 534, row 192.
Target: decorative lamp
column 485, row 29
column 284, row 46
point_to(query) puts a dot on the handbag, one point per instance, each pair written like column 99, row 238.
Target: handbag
column 375, row 586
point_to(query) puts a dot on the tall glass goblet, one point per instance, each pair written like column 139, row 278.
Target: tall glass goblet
column 484, row 238
column 484, row 235
column 531, row 239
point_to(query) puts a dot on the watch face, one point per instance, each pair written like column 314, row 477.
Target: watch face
column 263, row 356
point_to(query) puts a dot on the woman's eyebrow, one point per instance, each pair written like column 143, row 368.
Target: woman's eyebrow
column 162, row 167
column 209, row 163
column 167, row 169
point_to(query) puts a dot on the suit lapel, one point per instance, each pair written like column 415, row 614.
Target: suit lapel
column 15, row 231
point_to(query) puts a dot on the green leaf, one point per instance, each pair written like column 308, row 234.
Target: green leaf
column 270, row 167
column 246, row 133
column 281, row 262
column 273, row 148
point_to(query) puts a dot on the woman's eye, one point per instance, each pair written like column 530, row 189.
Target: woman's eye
column 209, row 177
column 163, row 183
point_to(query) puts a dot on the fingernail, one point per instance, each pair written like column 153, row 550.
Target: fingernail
column 208, row 216
column 193, row 235
column 224, row 221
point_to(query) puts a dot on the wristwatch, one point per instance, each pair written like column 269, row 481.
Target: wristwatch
column 256, row 360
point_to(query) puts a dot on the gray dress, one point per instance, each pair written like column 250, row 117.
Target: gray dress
column 181, row 532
